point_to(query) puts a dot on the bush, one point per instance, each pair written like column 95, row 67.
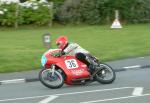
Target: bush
column 56, row 1
column 102, row 11
column 68, row 12
column 8, row 17
column 75, row 11
column 133, row 11
column 35, row 12
column 87, row 11
column 140, row 12
column 92, row 11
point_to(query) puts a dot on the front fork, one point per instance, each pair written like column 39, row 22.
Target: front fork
column 52, row 69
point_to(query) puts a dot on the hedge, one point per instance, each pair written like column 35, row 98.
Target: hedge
column 102, row 11
column 30, row 12
column 74, row 11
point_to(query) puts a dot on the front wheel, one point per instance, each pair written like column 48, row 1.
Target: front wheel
column 51, row 79
column 106, row 74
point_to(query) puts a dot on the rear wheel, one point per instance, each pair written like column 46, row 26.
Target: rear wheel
column 106, row 74
column 51, row 79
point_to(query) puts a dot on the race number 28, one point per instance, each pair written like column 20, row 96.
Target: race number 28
column 71, row 64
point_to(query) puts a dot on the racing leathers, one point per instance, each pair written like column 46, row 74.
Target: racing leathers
column 80, row 53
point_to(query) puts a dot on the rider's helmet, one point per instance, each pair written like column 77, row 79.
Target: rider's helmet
column 62, row 42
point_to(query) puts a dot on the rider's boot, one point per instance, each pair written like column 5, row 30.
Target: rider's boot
column 93, row 65
column 92, row 62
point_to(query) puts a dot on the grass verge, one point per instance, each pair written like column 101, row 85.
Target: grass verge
column 21, row 49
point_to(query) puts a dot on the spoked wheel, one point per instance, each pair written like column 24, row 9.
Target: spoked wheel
column 106, row 74
column 51, row 79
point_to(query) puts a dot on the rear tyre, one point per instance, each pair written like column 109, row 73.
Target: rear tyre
column 51, row 80
column 106, row 74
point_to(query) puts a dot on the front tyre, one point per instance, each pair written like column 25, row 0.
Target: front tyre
column 106, row 74
column 51, row 79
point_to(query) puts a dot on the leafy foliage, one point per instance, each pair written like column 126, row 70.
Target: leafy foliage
column 39, row 16
column 28, row 13
column 102, row 11
column 56, row 1
column 76, row 11
column 8, row 18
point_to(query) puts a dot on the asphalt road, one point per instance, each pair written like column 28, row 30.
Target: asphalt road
column 131, row 86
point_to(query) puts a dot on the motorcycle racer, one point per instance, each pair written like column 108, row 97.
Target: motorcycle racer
column 76, row 50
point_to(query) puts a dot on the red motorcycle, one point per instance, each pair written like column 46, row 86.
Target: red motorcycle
column 69, row 70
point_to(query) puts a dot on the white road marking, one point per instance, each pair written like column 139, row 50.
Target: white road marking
column 112, row 99
column 49, row 99
column 23, row 98
column 131, row 67
column 34, row 97
column 141, row 57
column 94, row 91
column 12, row 81
column 137, row 91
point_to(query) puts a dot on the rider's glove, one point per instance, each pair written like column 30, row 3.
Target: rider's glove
column 57, row 54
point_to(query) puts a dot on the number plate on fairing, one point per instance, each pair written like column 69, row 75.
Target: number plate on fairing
column 71, row 64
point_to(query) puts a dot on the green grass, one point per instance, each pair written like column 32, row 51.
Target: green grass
column 21, row 49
